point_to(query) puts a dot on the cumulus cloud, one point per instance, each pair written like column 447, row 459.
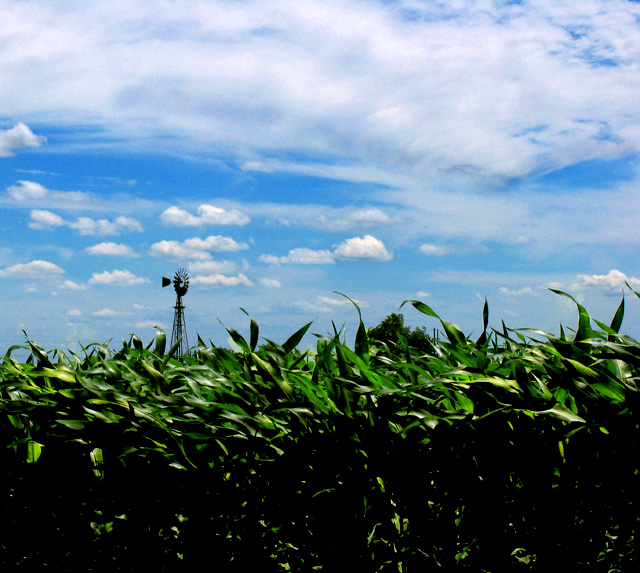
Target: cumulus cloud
column 27, row 190
column 111, row 250
column 367, row 247
column 70, row 285
column 18, row 137
column 89, row 226
column 222, row 280
column 301, row 256
column 45, row 220
column 517, row 292
column 207, row 215
column 42, row 220
column 32, row 192
column 195, row 249
column 74, row 312
column 33, row 270
column 270, row 283
column 118, row 278
column 613, row 282
column 106, row 312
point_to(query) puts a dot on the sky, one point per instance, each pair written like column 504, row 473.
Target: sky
column 286, row 151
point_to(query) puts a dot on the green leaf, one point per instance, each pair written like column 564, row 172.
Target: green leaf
column 423, row 308
column 362, row 340
column 295, row 338
column 34, row 450
column 238, row 339
column 485, row 321
column 584, row 320
column 616, row 323
column 563, row 413
column 73, row 424
column 161, row 341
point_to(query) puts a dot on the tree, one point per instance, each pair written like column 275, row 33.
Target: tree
column 392, row 329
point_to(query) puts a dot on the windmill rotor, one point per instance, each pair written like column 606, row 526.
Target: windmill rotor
column 181, row 282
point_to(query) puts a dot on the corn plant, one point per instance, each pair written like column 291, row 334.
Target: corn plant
column 513, row 450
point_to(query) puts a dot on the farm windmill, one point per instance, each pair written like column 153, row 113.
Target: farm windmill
column 179, row 332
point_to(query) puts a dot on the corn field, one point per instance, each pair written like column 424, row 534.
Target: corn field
column 515, row 451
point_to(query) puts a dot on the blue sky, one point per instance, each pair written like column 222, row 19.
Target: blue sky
column 282, row 150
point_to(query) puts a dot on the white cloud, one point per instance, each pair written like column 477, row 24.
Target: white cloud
column 27, row 190
column 613, row 282
column 32, row 270
column 354, row 219
column 367, row 247
column 74, row 312
column 18, row 137
column 434, row 250
column 517, row 292
column 89, row 226
column 341, row 301
column 207, row 215
column 31, row 192
column 341, row 91
column 195, row 248
column 301, row 256
column 111, row 250
column 151, row 324
column 41, row 219
column 106, row 312
column 118, row 277
column 223, row 280
column 270, row 283
column 70, row 285
column 256, row 166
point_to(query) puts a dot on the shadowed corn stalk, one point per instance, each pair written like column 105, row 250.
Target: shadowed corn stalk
column 513, row 451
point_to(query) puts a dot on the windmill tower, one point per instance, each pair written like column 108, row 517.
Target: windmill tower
column 179, row 332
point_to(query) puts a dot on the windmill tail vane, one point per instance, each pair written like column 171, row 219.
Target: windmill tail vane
column 179, row 332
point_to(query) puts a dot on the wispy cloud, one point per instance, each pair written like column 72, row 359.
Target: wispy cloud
column 435, row 250
column 334, row 99
column 341, row 301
